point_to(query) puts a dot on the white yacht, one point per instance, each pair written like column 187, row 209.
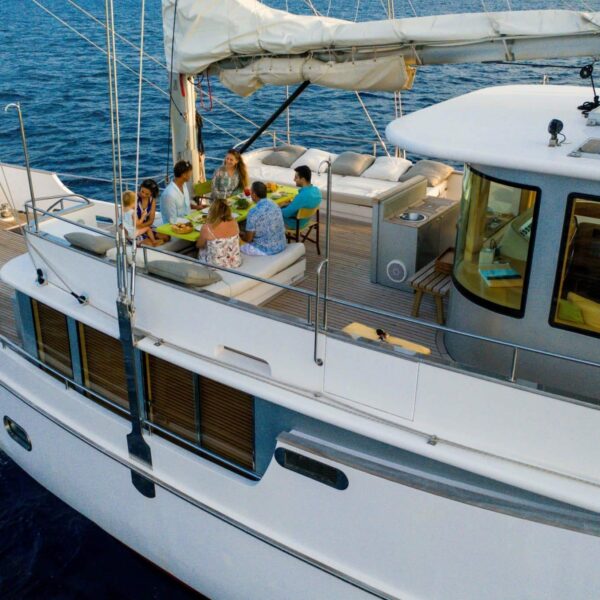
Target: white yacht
column 306, row 426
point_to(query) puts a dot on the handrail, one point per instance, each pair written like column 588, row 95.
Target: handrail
column 318, row 361
column 483, row 338
column 303, row 292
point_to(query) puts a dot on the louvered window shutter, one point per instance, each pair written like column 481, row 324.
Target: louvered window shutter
column 171, row 397
column 52, row 336
column 227, row 422
column 103, row 365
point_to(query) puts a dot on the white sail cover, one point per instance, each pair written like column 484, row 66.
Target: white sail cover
column 250, row 44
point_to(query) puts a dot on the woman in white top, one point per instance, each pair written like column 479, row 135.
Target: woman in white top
column 219, row 240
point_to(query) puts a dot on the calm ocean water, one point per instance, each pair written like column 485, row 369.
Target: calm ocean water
column 46, row 549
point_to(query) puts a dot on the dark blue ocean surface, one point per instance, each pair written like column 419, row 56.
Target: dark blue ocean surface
column 46, row 549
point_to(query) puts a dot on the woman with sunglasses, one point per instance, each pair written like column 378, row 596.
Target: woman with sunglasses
column 231, row 177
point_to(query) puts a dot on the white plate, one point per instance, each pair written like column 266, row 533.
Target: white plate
column 204, row 211
column 198, row 227
column 181, row 221
column 234, row 215
column 277, row 195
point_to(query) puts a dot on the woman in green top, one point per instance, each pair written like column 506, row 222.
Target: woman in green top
column 231, row 177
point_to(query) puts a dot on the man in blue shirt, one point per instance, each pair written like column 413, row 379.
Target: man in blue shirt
column 265, row 232
column 309, row 196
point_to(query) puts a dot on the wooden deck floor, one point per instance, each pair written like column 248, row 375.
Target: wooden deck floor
column 11, row 244
column 349, row 280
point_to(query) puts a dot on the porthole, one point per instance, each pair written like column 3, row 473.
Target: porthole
column 17, row 433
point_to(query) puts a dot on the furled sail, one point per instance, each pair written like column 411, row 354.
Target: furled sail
column 249, row 44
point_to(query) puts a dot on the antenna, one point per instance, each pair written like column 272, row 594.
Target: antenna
column 587, row 72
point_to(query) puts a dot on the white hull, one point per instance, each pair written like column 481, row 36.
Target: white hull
column 285, row 536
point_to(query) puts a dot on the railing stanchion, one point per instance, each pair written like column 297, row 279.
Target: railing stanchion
column 316, row 358
column 513, row 370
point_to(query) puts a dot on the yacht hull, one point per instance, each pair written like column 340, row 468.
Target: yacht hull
column 286, row 535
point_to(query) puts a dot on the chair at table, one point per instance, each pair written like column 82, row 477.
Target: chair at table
column 203, row 189
column 302, row 235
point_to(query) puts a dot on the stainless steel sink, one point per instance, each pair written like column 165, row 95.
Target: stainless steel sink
column 412, row 216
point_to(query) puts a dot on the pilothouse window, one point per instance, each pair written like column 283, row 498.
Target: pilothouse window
column 494, row 241
column 576, row 301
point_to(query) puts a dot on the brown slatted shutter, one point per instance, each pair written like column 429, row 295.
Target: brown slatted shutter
column 172, row 397
column 52, row 336
column 103, row 365
column 227, row 422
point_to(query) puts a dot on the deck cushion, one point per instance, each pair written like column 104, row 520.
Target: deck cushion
column 351, row 163
column 312, row 159
column 434, row 171
column 387, row 168
column 284, row 156
column 96, row 244
column 184, row 272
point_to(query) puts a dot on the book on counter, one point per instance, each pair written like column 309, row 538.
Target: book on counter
column 500, row 275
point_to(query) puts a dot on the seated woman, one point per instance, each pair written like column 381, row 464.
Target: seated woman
column 146, row 212
column 231, row 177
column 219, row 240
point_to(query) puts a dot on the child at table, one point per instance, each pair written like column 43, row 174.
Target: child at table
column 219, row 240
column 142, row 235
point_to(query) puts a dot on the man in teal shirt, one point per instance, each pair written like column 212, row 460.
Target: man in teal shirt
column 309, row 196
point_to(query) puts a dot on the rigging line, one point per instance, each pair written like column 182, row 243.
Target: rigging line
column 410, row 3
column 171, row 102
column 360, row 100
column 148, row 56
column 121, row 37
column 89, row 41
column 357, row 9
column 137, row 144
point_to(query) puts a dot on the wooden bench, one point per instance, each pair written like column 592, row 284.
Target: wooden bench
column 430, row 281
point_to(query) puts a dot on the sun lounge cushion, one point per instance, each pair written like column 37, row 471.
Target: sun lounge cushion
column 284, row 156
column 184, row 272
column 589, row 309
column 312, row 159
column 96, row 244
column 351, row 163
column 434, row 171
column 388, row 168
column 569, row 311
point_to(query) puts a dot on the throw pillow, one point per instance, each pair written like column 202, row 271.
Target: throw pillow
column 434, row 171
column 387, row 168
column 96, row 244
column 186, row 273
column 284, row 156
column 351, row 164
column 313, row 158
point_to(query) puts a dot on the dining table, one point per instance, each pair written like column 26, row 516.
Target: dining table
column 281, row 196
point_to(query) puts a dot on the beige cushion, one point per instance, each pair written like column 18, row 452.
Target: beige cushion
column 313, row 158
column 284, row 156
column 351, row 163
column 182, row 272
column 388, row 168
column 434, row 171
column 97, row 244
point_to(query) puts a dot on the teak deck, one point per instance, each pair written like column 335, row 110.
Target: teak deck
column 348, row 280
column 11, row 244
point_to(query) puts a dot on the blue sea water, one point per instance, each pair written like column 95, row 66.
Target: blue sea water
column 46, row 549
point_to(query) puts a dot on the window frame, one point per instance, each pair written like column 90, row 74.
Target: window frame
column 571, row 199
column 488, row 304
